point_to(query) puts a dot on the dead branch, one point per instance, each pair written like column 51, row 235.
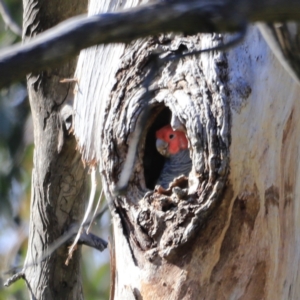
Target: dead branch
column 66, row 39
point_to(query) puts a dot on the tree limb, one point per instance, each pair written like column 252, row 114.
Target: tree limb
column 66, row 39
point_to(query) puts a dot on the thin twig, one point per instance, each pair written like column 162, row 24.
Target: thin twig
column 222, row 47
column 61, row 241
column 8, row 20
column 14, row 278
column 86, row 215
column 95, row 212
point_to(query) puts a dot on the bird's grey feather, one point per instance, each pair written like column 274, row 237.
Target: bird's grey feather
column 175, row 165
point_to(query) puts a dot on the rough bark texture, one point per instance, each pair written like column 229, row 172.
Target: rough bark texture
column 186, row 91
column 160, row 226
column 58, row 179
column 229, row 230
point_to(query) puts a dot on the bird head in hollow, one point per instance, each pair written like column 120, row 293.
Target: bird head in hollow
column 169, row 141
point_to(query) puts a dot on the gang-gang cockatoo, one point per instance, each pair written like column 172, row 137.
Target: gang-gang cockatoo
column 173, row 145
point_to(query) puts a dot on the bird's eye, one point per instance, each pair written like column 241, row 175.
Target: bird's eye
column 171, row 136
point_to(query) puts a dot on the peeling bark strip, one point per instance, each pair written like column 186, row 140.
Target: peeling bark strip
column 195, row 91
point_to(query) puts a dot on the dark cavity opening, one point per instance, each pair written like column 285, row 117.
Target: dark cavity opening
column 153, row 161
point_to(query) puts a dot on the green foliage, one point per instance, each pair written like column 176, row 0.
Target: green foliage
column 16, row 152
column 6, row 36
column 14, row 113
column 14, row 292
column 95, row 280
column 15, row 157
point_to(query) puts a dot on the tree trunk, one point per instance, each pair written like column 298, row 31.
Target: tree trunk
column 58, row 178
column 228, row 231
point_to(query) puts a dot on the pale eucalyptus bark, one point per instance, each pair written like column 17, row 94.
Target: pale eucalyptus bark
column 230, row 230
column 58, row 176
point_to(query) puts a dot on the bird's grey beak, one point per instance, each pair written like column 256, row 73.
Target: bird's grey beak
column 162, row 147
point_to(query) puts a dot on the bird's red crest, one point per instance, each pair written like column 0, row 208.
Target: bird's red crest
column 176, row 139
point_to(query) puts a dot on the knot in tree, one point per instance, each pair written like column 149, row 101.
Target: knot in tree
column 160, row 214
